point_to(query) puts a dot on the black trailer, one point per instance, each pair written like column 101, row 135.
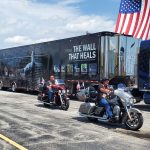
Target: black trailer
column 144, row 70
column 84, row 59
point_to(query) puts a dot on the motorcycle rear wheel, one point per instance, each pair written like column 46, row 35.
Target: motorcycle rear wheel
column 136, row 123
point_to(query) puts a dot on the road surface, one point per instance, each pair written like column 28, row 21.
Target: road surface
column 28, row 123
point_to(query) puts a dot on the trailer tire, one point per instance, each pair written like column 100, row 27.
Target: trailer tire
column 1, row 85
column 13, row 87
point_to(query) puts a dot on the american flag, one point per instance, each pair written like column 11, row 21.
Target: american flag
column 134, row 18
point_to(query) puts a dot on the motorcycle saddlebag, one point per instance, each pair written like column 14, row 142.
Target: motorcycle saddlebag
column 87, row 108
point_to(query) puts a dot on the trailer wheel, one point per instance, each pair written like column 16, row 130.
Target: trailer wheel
column 1, row 85
column 13, row 87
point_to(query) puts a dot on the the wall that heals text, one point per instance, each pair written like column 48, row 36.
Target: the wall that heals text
column 83, row 52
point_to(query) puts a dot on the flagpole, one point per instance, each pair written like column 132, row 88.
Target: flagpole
column 119, row 55
column 125, row 57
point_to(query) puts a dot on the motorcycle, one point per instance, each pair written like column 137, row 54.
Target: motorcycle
column 60, row 99
column 122, row 103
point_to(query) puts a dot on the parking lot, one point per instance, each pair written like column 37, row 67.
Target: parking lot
column 28, row 123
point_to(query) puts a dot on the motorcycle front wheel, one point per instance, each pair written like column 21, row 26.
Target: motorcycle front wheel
column 65, row 105
column 136, row 122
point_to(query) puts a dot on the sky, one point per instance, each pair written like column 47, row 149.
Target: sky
column 24, row 22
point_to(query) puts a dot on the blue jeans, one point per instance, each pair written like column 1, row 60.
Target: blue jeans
column 104, row 103
column 50, row 95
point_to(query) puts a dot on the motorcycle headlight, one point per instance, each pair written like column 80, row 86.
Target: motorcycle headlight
column 131, row 101
column 63, row 91
column 67, row 91
column 59, row 91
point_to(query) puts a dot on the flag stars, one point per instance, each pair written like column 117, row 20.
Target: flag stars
column 130, row 6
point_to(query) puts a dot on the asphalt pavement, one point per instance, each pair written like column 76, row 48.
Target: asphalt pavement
column 31, row 125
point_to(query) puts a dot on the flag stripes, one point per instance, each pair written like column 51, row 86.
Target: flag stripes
column 134, row 23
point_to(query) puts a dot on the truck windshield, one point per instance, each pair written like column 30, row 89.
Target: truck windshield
column 121, row 86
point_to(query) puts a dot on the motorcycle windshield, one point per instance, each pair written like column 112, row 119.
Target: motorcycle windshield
column 121, row 86
column 59, row 82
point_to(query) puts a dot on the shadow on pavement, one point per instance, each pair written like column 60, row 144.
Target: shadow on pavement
column 47, row 106
column 138, row 134
column 100, row 123
column 118, row 128
column 143, row 107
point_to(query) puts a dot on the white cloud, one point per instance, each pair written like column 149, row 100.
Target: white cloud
column 68, row 2
column 90, row 23
column 18, row 40
column 26, row 22
column 43, row 40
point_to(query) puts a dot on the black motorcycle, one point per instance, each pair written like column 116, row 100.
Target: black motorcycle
column 60, row 98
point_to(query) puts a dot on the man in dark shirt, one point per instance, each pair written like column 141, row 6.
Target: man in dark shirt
column 104, row 91
column 49, row 86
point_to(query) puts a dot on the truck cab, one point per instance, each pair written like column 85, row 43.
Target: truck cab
column 144, row 70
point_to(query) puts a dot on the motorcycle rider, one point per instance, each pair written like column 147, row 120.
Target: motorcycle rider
column 104, row 91
column 49, row 86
